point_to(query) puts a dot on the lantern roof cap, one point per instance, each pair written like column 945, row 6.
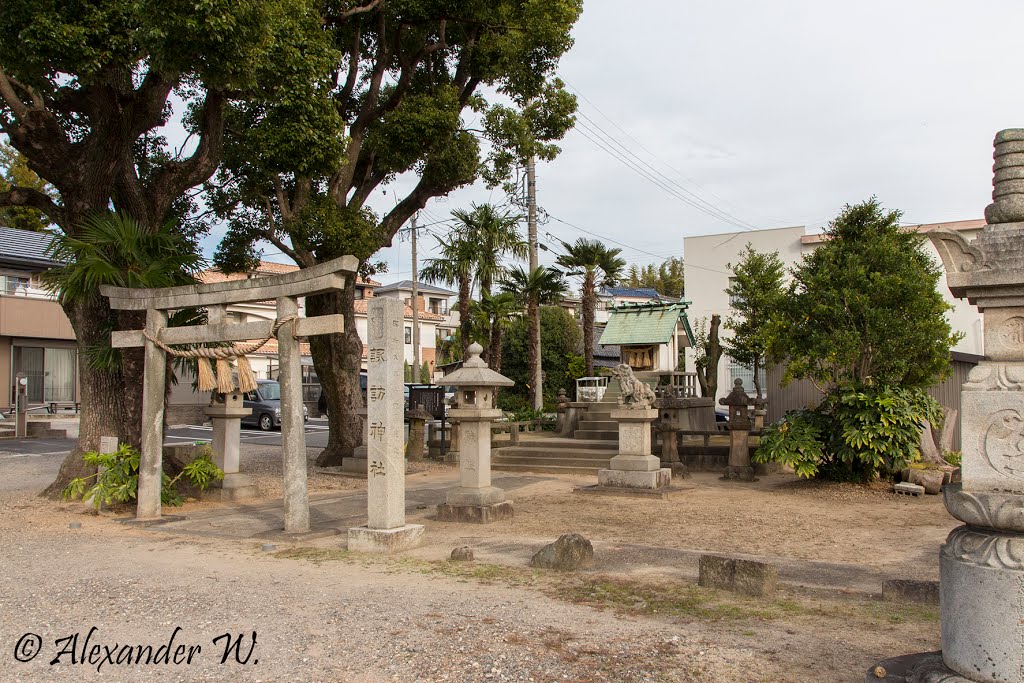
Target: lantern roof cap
column 475, row 373
column 737, row 397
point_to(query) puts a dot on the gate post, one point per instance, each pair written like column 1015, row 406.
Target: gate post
column 293, row 428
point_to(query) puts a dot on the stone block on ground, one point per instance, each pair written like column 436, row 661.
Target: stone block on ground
column 364, row 540
column 462, row 554
column 475, row 514
column 569, row 552
column 748, row 577
column 931, row 480
column 906, row 489
column 911, row 590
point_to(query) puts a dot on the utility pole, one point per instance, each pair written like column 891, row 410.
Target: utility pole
column 531, row 224
column 415, row 307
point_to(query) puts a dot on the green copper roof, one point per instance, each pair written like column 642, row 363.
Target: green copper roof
column 645, row 324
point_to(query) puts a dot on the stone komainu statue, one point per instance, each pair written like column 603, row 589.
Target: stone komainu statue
column 634, row 393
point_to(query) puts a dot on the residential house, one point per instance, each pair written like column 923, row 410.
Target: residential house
column 613, row 297
column 436, row 316
column 185, row 405
column 707, row 274
column 36, row 337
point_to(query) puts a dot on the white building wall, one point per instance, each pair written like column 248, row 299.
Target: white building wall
column 706, row 272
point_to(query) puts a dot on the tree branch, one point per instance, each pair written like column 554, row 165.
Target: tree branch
column 13, row 100
column 349, row 13
column 353, row 68
column 30, row 197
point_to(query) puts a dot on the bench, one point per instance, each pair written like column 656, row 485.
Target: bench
column 54, row 406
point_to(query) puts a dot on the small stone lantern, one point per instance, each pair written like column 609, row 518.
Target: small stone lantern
column 226, row 412
column 739, row 433
column 475, row 500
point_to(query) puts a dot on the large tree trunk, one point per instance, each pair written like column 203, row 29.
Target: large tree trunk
column 111, row 399
column 588, row 323
column 337, row 359
column 537, row 391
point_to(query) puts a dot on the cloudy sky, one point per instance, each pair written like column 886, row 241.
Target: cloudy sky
column 770, row 114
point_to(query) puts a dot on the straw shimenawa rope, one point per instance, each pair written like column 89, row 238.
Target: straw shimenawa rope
column 223, row 355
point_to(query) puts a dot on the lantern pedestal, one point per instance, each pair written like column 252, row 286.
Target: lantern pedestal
column 634, row 467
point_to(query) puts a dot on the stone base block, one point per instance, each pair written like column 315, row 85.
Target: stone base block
column 461, row 495
column 926, row 667
column 748, row 577
column 475, row 514
column 637, row 463
column 739, row 473
column 354, row 465
column 910, row 590
column 234, row 486
column 452, row 457
column 981, row 575
column 634, row 479
column 362, row 539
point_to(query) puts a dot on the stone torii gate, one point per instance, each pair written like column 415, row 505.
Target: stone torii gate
column 215, row 297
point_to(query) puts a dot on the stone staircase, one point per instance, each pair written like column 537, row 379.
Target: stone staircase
column 592, row 446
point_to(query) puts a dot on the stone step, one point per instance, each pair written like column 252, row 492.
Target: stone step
column 554, row 443
column 596, row 463
column 602, row 425
column 547, row 469
column 596, row 434
column 561, row 453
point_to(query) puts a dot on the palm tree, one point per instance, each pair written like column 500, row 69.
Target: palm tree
column 532, row 289
column 492, row 315
column 495, row 236
column 455, row 267
column 600, row 266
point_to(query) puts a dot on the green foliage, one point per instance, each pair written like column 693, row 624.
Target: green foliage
column 756, row 298
column 560, row 338
column 796, row 441
column 117, row 480
column 666, row 278
column 577, row 367
column 424, row 374
column 953, row 458
column 14, row 171
column 855, row 434
column 407, row 372
column 864, row 307
column 545, row 285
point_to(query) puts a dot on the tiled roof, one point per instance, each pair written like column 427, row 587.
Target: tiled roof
column 423, row 288
column 424, row 315
column 642, row 324
column 973, row 224
column 270, row 349
column 265, row 268
column 25, row 248
column 638, row 292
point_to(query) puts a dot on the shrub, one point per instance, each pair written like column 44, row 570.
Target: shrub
column 117, row 480
column 855, row 434
column 953, row 458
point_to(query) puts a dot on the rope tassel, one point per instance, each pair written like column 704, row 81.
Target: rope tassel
column 246, row 378
column 207, row 382
column 225, row 384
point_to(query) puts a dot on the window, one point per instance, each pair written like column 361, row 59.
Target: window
column 51, row 372
column 359, row 293
column 732, row 298
column 408, row 335
column 747, row 375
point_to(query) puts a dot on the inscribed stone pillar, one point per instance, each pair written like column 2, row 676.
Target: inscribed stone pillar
column 386, row 530
column 153, row 388
column 293, row 424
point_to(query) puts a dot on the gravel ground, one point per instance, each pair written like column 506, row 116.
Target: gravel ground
column 323, row 615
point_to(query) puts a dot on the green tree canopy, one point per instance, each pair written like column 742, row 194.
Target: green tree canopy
column 601, row 267
column 560, row 338
column 756, row 297
column 666, row 278
column 14, row 172
column 864, row 307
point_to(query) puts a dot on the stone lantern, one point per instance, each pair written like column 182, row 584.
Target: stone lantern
column 981, row 564
column 475, row 499
column 226, row 411
column 738, row 404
